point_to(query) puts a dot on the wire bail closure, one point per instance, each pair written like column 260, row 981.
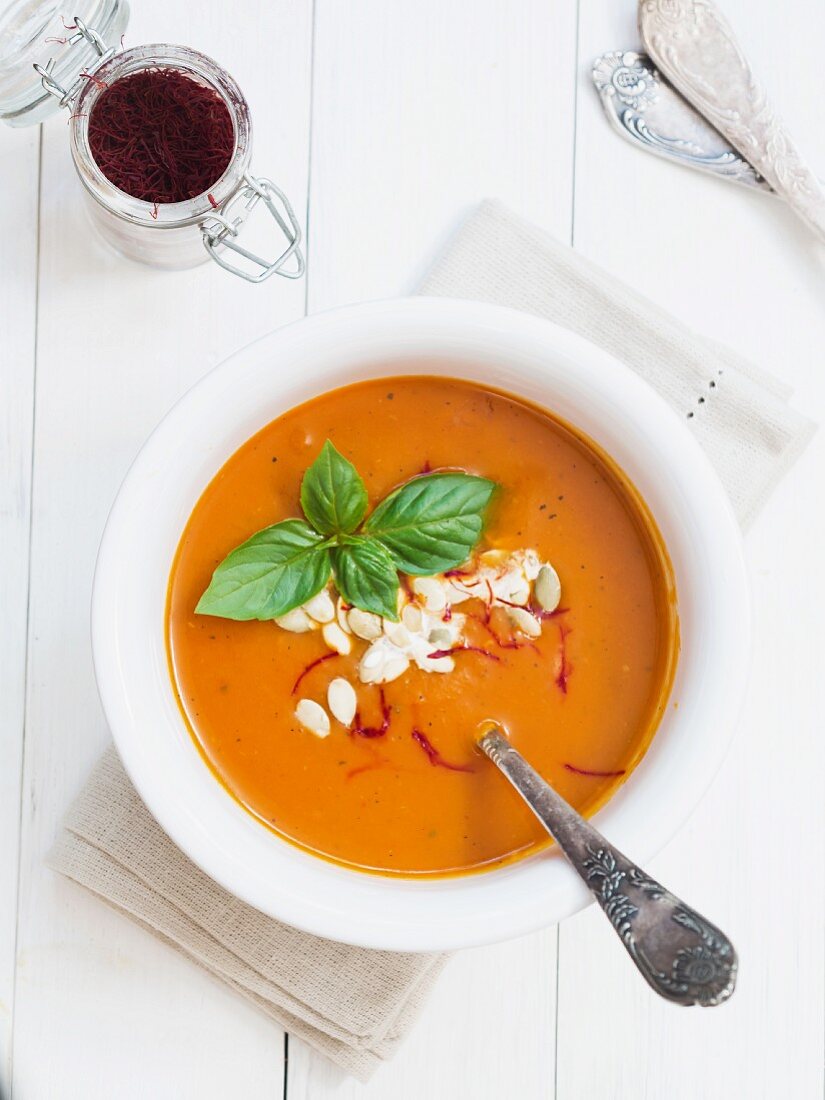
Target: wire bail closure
column 92, row 38
column 219, row 231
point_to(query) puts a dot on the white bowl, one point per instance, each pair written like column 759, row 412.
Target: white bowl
column 513, row 352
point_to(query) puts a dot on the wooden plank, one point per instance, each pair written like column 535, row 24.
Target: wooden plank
column 19, row 161
column 739, row 268
column 487, row 1031
column 102, row 1008
column 419, row 112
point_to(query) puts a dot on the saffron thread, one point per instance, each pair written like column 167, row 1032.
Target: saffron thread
column 434, row 756
column 539, row 613
column 94, row 79
column 160, row 136
column 509, row 643
column 463, row 649
column 565, row 668
column 586, row 771
column 373, row 731
column 311, row 666
column 489, row 604
column 376, row 762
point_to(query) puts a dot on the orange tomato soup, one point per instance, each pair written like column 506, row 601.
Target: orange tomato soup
column 582, row 703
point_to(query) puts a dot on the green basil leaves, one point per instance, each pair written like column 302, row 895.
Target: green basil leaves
column 333, row 496
column 366, row 576
column 432, row 522
column 426, row 526
column 277, row 569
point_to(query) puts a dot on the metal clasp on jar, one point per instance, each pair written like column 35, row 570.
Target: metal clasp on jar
column 64, row 96
column 220, row 231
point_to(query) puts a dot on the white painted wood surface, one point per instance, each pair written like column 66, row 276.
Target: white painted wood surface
column 19, row 164
column 386, row 121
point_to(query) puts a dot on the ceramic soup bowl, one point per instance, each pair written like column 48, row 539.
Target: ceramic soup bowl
column 510, row 351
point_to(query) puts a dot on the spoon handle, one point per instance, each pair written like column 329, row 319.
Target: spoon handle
column 684, row 957
column 695, row 47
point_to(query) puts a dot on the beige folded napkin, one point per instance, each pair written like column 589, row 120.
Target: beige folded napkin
column 354, row 1005
column 738, row 413
column 351, row 1004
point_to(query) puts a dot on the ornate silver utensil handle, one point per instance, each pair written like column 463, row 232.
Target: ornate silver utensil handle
column 684, row 957
column 644, row 109
column 692, row 43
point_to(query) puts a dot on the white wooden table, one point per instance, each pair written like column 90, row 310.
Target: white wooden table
column 386, row 121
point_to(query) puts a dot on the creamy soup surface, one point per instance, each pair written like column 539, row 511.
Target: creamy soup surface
column 581, row 701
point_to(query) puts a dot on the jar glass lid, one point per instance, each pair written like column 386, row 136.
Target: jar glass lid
column 45, row 33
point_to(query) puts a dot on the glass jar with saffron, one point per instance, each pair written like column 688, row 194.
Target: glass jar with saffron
column 160, row 136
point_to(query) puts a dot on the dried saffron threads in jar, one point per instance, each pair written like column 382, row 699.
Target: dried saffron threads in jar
column 160, row 136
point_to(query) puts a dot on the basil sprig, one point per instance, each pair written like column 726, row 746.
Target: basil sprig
column 427, row 525
column 277, row 569
column 366, row 576
column 333, row 496
column 431, row 523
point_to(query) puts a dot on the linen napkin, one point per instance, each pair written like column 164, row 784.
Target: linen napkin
column 738, row 412
column 351, row 1004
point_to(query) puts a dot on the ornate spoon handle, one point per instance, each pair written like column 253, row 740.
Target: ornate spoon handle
column 694, row 46
column 643, row 108
column 685, row 958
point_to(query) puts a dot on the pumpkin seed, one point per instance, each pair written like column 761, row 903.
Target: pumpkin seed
column 548, row 588
column 342, row 700
column 313, row 717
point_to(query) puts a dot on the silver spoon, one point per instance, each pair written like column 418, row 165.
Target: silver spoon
column 684, row 957
column 695, row 47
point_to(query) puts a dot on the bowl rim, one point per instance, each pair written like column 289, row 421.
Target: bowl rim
column 431, row 914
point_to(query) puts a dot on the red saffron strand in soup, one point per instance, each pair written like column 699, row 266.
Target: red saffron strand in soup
column 434, row 756
column 375, row 762
column 539, row 613
column 565, row 668
column 509, row 603
column 600, row 775
column 160, row 136
column 510, row 643
column 311, row 666
column 373, row 731
column 463, row 649
column 488, row 606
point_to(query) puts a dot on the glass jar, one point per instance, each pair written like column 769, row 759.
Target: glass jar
column 34, row 83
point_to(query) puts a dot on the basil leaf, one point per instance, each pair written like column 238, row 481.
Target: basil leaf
column 432, row 523
column 366, row 576
column 333, row 496
column 279, row 568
